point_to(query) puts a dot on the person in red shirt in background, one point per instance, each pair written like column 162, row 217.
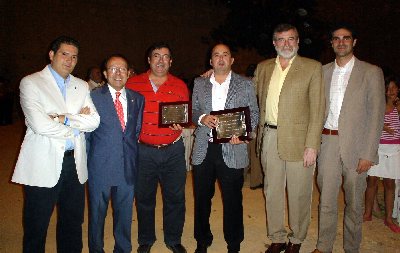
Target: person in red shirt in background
column 161, row 153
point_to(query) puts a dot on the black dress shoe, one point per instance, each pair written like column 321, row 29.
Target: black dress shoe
column 177, row 248
column 233, row 251
column 202, row 248
column 276, row 248
column 144, row 248
column 293, row 248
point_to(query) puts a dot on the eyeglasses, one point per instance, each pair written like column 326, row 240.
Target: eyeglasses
column 114, row 70
column 164, row 57
column 342, row 38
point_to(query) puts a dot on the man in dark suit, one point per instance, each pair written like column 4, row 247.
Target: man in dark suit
column 225, row 162
column 112, row 156
column 350, row 138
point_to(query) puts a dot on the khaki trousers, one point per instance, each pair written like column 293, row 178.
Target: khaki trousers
column 330, row 172
column 297, row 180
column 256, row 175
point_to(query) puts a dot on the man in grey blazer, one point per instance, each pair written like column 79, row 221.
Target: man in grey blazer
column 223, row 162
column 291, row 96
column 52, row 161
column 354, row 116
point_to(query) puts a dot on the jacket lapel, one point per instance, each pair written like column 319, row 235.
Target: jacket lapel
column 294, row 68
column 53, row 88
column 328, row 79
column 109, row 103
column 354, row 81
column 231, row 91
column 130, row 107
column 208, row 94
column 268, row 74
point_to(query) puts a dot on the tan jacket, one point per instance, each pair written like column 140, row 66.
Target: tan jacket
column 362, row 113
column 301, row 106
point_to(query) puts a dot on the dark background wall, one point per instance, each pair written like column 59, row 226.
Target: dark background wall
column 106, row 27
column 377, row 24
column 129, row 26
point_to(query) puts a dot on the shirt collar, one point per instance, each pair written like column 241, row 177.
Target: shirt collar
column 348, row 66
column 227, row 79
column 113, row 91
column 290, row 62
column 58, row 77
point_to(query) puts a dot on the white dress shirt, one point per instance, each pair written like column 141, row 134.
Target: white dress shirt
column 340, row 79
column 219, row 94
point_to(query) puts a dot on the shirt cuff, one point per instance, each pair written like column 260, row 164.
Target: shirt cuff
column 199, row 121
column 66, row 121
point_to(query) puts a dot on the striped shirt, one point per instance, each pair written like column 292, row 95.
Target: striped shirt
column 172, row 90
column 393, row 122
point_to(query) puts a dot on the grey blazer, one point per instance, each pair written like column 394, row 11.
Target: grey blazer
column 362, row 113
column 241, row 93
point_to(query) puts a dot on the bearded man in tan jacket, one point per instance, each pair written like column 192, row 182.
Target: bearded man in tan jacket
column 292, row 104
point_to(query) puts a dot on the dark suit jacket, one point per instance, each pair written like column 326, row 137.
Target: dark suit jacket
column 241, row 93
column 362, row 113
column 113, row 153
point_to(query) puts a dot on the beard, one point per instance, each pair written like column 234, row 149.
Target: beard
column 343, row 53
column 287, row 54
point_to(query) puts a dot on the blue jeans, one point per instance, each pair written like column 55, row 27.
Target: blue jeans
column 167, row 166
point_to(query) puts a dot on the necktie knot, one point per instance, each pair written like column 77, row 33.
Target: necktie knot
column 117, row 94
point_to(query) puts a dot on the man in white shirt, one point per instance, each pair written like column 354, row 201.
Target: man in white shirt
column 354, row 115
column 223, row 162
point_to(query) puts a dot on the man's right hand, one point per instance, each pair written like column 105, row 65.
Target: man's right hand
column 208, row 73
column 211, row 121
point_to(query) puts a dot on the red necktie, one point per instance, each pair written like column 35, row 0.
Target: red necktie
column 120, row 111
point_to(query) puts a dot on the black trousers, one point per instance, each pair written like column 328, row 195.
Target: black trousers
column 69, row 196
column 166, row 166
column 231, row 182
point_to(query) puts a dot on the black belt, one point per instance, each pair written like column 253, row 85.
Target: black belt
column 69, row 153
column 270, row 126
column 159, row 146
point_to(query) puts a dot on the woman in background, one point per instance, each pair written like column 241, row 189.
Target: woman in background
column 389, row 157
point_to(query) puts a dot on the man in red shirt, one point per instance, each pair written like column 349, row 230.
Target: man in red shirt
column 161, row 153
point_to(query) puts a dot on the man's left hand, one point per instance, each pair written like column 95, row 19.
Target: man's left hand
column 176, row 127
column 363, row 165
column 310, row 156
column 235, row 140
column 85, row 110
